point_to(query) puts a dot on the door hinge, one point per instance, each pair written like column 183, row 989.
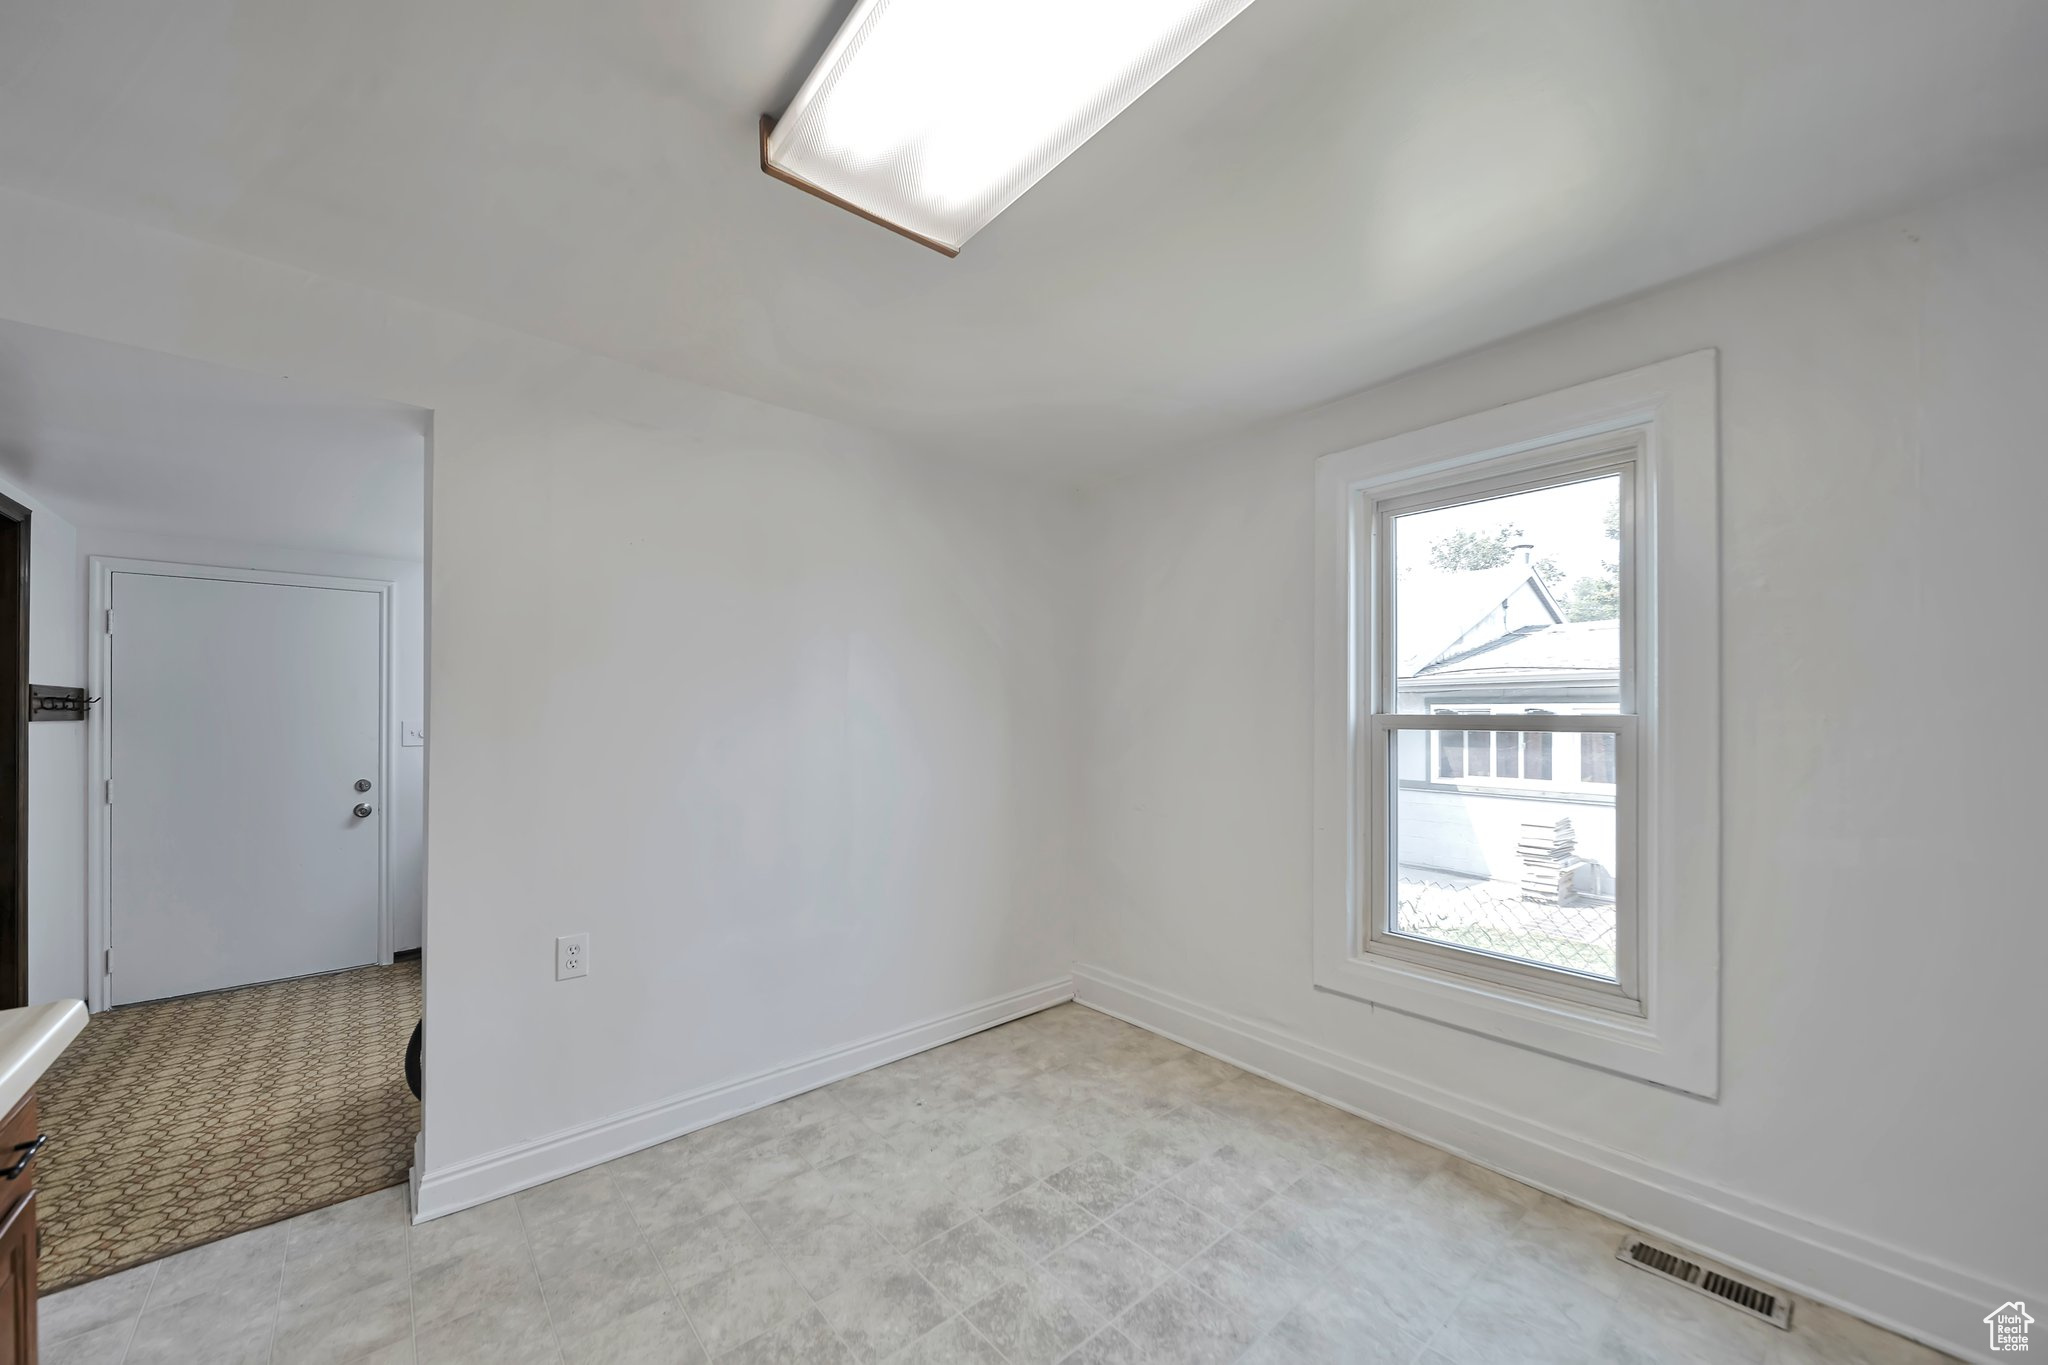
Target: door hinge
column 110, row 791
column 107, row 965
column 110, row 620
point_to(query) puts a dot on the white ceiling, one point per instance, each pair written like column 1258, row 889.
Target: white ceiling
column 118, row 437
column 1329, row 193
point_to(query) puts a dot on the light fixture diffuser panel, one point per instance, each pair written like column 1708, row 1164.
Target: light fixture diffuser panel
column 932, row 116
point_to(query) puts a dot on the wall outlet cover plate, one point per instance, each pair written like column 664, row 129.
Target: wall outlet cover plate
column 572, row 956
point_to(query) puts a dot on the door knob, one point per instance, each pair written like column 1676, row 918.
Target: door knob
column 362, row 812
column 362, row 784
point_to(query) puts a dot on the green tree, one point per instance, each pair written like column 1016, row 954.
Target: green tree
column 1594, row 599
column 1599, row 599
column 1468, row 551
column 1465, row 551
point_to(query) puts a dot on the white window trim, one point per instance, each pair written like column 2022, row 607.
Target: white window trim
column 1669, row 411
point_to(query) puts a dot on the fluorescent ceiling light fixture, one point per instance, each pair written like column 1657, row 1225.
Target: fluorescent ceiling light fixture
column 931, row 116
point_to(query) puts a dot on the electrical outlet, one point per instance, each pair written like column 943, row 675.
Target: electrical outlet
column 572, row 956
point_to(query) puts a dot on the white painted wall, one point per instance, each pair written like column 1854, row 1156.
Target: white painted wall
column 1885, row 478
column 408, row 768
column 779, row 715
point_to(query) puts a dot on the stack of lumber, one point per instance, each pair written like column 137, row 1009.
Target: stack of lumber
column 1549, row 859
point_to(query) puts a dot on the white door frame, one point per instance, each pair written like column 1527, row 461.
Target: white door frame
column 99, row 848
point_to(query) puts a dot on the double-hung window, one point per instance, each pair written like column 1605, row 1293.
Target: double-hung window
column 1517, row 724
column 1507, row 851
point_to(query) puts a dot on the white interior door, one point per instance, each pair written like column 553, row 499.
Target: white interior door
column 241, row 716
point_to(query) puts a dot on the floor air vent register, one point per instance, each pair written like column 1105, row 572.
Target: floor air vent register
column 1705, row 1277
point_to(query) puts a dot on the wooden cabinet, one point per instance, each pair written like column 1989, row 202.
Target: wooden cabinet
column 19, row 1142
column 18, row 1283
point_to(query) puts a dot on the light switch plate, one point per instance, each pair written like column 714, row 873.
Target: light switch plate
column 411, row 734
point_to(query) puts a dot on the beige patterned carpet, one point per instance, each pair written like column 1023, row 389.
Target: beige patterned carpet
column 182, row 1121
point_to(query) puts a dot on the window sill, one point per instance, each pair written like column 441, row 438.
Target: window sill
column 1630, row 1044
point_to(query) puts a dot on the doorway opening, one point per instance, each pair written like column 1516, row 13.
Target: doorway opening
column 237, row 565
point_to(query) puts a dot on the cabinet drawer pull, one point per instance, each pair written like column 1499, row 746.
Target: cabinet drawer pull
column 28, row 1152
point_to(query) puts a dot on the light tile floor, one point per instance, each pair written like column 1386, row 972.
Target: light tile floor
column 1065, row 1187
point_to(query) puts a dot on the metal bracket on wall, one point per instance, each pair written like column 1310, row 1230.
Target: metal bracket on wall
column 58, row 703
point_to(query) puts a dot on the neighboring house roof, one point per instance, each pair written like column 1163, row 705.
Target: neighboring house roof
column 1458, row 603
column 1591, row 647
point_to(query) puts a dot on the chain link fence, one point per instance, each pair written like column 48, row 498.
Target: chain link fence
column 1576, row 933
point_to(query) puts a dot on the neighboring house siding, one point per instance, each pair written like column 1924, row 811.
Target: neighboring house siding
column 1471, row 834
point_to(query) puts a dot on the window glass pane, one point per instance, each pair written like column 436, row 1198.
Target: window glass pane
column 1536, row 756
column 1507, row 754
column 1450, row 756
column 1596, row 758
column 1478, row 754
column 1509, row 600
column 1523, row 873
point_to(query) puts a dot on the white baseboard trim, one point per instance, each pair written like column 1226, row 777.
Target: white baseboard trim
column 524, row 1165
column 1930, row 1301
